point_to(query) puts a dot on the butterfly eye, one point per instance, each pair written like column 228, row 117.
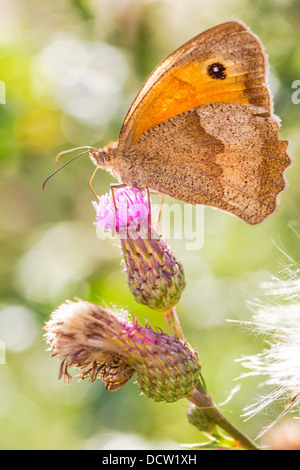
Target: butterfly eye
column 217, row 70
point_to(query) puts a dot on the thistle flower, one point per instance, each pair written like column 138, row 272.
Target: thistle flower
column 155, row 277
column 278, row 363
column 105, row 345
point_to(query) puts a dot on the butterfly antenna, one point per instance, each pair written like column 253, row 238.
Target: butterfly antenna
column 65, row 152
column 67, row 163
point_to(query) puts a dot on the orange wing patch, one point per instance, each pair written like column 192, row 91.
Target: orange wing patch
column 224, row 64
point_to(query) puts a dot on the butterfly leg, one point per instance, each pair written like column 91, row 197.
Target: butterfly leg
column 160, row 211
column 149, row 211
column 153, row 191
column 112, row 188
column 91, row 179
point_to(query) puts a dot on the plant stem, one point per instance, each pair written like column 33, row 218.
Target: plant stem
column 203, row 401
column 173, row 322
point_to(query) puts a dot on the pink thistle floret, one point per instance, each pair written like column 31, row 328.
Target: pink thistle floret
column 132, row 210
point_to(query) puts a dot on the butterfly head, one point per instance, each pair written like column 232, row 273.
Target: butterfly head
column 98, row 156
column 103, row 156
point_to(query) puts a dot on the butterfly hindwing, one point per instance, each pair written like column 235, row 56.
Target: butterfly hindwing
column 223, row 155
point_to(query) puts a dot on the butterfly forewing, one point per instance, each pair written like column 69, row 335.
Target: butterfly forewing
column 224, row 64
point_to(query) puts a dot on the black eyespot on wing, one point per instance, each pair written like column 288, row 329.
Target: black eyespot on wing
column 217, row 71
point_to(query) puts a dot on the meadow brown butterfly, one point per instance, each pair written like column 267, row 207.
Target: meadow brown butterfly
column 202, row 128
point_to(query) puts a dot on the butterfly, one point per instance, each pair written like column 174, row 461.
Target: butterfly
column 202, row 128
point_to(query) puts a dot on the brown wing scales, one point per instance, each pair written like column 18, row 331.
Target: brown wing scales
column 223, row 155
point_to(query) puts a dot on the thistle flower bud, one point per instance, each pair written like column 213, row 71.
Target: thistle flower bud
column 155, row 277
column 198, row 418
column 104, row 344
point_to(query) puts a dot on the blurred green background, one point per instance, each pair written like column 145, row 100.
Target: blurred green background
column 71, row 70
